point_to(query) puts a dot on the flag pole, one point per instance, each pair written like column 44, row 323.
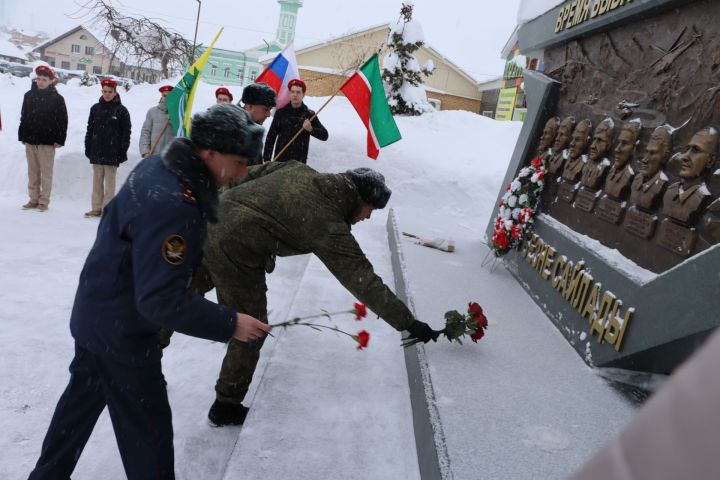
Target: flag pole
column 297, row 134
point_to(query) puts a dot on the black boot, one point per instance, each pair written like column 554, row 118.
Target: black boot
column 222, row 414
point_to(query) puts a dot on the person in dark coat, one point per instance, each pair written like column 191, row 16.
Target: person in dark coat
column 106, row 144
column 43, row 128
column 284, row 209
column 258, row 99
column 134, row 281
column 286, row 123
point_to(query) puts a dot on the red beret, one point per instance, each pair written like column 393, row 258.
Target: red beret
column 108, row 83
column 45, row 71
column 165, row 88
column 297, row 82
column 223, row 91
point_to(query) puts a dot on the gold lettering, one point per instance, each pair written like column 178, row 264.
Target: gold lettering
column 544, row 272
column 600, row 320
column 559, row 23
column 603, row 6
column 614, row 4
column 582, row 290
column 617, row 326
column 540, row 257
column 555, row 277
column 594, row 10
column 585, row 11
column 530, row 247
column 570, row 14
column 569, row 291
column 592, row 302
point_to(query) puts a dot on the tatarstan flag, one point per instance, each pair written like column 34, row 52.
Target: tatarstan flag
column 180, row 99
column 365, row 91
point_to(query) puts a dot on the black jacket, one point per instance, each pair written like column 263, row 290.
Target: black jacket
column 286, row 122
column 108, row 133
column 43, row 118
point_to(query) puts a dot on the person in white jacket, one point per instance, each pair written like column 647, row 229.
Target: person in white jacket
column 156, row 131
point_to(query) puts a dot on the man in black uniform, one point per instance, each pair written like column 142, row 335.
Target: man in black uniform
column 135, row 280
column 287, row 121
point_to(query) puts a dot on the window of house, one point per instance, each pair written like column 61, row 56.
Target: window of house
column 65, row 65
column 75, row 48
column 97, row 70
column 253, row 75
column 241, row 73
column 83, row 37
column 81, row 66
column 213, row 69
column 89, row 50
column 227, row 72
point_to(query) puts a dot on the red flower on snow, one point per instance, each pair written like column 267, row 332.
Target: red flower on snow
column 360, row 311
column 481, row 323
column 362, row 338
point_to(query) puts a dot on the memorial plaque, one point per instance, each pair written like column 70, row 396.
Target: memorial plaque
column 566, row 191
column 676, row 238
column 640, row 223
column 586, row 199
column 610, row 210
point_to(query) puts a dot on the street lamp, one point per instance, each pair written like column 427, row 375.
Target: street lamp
column 197, row 22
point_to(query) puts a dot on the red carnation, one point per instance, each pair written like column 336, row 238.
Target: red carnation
column 479, row 333
column 362, row 338
column 516, row 232
column 360, row 311
column 474, row 309
column 540, row 175
column 500, row 240
column 536, row 162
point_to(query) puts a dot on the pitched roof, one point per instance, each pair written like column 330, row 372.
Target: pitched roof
column 64, row 35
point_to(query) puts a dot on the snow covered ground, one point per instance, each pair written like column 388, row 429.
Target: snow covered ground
column 520, row 404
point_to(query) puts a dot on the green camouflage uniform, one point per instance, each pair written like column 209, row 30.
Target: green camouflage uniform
column 284, row 209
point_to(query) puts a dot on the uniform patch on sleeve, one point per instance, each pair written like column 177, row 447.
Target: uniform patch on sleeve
column 173, row 249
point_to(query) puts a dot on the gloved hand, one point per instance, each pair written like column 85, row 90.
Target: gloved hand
column 422, row 331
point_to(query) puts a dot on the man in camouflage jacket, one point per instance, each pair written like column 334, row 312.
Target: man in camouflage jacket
column 284, row 209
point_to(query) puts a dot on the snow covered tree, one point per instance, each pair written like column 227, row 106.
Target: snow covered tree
column 402, row 74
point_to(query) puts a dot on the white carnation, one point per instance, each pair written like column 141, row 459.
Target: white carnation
column 516, row 212
column 512, row 201
column 508, row 224
column 523, row 199
column 515, row 185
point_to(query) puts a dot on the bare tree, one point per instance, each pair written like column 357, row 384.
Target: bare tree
column 140, row 41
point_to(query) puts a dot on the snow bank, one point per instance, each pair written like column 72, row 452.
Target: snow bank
column 531, row 9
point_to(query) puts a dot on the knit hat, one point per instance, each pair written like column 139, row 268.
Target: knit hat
column 165, row 88
column 227, row 128
column 370, row 186
column 259, row 94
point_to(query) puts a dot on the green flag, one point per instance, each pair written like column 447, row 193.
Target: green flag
column 365, row 91
column 179, row 101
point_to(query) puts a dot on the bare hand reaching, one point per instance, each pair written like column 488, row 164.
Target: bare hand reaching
column 249, row 328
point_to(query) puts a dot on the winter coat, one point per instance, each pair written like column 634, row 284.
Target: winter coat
column 108, row 133
column 156, row 119
column 287, row 208
column 148, row 245
column 43, row 118
column 285, row 124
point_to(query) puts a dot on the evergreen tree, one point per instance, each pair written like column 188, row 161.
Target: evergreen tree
column 402, row 75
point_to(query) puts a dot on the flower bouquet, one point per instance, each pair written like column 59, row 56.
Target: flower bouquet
column 518, row 207
column 473, row 324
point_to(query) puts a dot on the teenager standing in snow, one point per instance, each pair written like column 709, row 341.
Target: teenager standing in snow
column 106, row 144
column 43, row 128
column 286, row 123
column 156, row 131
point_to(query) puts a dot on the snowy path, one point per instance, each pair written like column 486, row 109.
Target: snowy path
column 319, row 408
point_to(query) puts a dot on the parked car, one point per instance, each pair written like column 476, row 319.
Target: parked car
column 4, row 66
column 20, row 70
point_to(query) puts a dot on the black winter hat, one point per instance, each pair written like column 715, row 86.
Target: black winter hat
column 227, row 128
column 258, row 94
column 370, row 186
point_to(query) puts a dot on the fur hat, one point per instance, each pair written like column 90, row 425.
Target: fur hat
column 296, row 82
column 223, row 91
column 45, row 71
column 259, row 94
column 370, row 186
column 227, row 128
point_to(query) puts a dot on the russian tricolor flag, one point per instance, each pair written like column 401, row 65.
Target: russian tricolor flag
column 282, row 69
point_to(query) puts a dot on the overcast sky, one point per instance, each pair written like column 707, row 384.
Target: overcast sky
column 471, row 33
